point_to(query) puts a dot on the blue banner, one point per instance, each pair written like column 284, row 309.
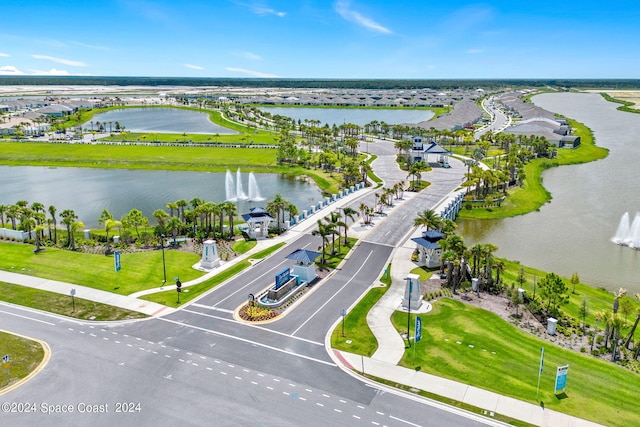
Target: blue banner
column 282, row 277
column 418, row 331
column 561, row 378
column 116, row 260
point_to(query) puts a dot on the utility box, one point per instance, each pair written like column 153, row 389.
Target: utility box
column 474, row 284
column 551, row 325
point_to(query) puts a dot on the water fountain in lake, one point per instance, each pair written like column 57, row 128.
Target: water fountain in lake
column 628, row 233
column 254, row 191
column 234, row 190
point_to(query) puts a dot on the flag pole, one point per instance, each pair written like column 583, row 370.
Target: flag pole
column 540, row 370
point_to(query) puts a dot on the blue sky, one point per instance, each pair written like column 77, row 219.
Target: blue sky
column 423, row 39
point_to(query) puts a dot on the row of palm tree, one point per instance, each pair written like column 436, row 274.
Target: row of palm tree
column 329, row 227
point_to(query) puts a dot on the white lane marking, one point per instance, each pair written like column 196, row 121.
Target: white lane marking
column 404, row 421
column 302, row 398
column 337, row 410
column 364, row 263
column 210, row 307
column 257, row 344
column 325, row 395
column 117, row 342
column 209, row 369
column 238, row 378
column 254, row 383
column 270, row 388
column 167, row 356
column 223, row 373
column 319, row 404
column 256, row 327
column 356, row 417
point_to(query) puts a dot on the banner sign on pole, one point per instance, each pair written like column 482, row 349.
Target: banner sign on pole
column 418, row 331
column 561, row 378
column 116, row 260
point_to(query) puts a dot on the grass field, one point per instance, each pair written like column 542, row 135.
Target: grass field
column 62, row 304
column 170, row 298
column 474, row 346
column 355, row 323
column 142, row 270
column 25, row 356
column 532, row 195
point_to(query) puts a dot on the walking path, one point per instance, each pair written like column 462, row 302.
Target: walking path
column 391, row 346
column 134, row 303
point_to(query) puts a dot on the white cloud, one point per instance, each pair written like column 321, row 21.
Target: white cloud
column 343, row 9
column 10, row 70
column 69, row 62
column 474, row 51
column 89, row 46
column 250, row 72
column 4, row 55
column 194, row 67
column 260, row 8
column 51, row 72
column 248, row 55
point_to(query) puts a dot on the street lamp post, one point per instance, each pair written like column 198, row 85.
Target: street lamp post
column 164, row 266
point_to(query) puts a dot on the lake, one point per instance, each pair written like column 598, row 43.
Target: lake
column 573, row 232
column 357, row 116
column 89, row 191
column 161, row 120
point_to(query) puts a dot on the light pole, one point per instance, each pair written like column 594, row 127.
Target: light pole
column 164, row 266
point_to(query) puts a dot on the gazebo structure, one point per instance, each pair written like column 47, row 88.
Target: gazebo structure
column 304, row 267
column 421, row 151
column 429, row 251
column 258, row 221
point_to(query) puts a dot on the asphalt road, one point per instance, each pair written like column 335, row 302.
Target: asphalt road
column 198, row 366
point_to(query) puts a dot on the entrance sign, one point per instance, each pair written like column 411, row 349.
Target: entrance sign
column 561, row 378
column 282, row 277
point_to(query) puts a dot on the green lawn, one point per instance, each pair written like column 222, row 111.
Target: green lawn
column 476, row 347
column 62, row 304
column 142, row 270
column 170, row 298
column 532, row 195
column 355, row 323
column 25, row 356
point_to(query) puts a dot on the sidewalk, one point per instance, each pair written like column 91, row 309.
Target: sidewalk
column 147, row 307
column 391, row 347
column 491, row 402
column 132, row 301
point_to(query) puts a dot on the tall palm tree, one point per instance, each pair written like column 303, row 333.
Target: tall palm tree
column 13, row 213
column 52, row 211
column 69, row 218
column 629, row 337
column 324, row 230
column 172, row 207
column 350, row 213
column 173, row 224
column 160, row 215
column 232, row 210
column 600, row 316
column 428, row 219
column 3, row 210
column 335, row 222
column 180, row 205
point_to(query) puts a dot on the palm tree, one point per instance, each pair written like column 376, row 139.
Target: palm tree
column 52, row 212
column 428, row 219
column 324, row 230
column 160, row 215
column 180, row 205
column 69, row 218
column 174, row 225
column 172, row 207
column 629, row 337
column 13, row 212
column 232, row 210
column 350, row 213
column 3, row 210
column 293, row 210
column 335, row 223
